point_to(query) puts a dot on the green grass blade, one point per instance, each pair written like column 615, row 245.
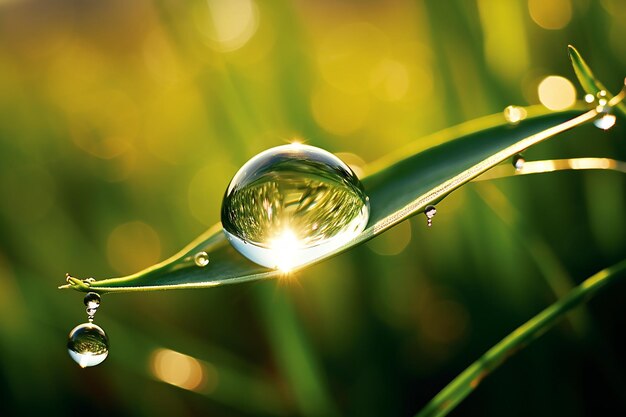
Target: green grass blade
column 587, row 80
column 463, row 385
column 294, row 356
column 397, row 191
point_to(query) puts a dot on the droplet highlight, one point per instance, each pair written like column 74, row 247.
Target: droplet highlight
column 88, row 345
column 430, row 212
column 293, row 204
column 201, row 259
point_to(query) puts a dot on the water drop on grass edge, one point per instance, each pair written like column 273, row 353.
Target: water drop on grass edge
column 293, row 204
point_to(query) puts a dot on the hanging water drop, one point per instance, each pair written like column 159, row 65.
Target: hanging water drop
column 88, row 345
column 518, row 162
column 589, row 98
column 605, row 122
column 201, row 259
column 92, row 301
column 514, row 114
column 309, row 203
column 430, row 212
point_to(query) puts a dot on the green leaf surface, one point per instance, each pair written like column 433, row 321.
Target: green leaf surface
column 588, row 81
column 399, row 187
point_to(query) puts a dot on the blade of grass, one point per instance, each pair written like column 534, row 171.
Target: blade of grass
column 553, row 165
column 294, row 355
column 588, row 81
column 396, row 192
column 552, row 270
column 464, row 384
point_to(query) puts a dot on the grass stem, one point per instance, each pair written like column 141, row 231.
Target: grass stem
column 464, row 384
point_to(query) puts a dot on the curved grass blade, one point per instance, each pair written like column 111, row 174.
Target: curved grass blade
column 396, row 192
column 463, row 385
column 588, row 81
column 553, row 165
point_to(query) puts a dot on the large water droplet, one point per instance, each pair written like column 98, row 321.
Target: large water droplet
column 293, row 204
column 88, row 345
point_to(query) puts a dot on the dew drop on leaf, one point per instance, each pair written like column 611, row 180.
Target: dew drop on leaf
column 293, row 204
column 88, row 345
column 518, row 162
column 201, row 259
column 514, row 114
column 430, row 212
column 605, row 122
column 92, row 301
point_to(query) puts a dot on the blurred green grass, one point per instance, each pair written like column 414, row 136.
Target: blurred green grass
column 121, row 124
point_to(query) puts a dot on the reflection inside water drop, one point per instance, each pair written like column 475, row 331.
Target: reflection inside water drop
column 293, row 204
column 88, row 345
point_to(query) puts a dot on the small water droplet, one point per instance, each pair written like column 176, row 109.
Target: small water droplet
column 92, row 300
column 589, row 98
column 603, row 102
column 514, row 114
column 518, row 162
column 301, row 187
column 201, row 259
column 88, row 345
column 605, row 121
column 90, row 313
column 430, row 212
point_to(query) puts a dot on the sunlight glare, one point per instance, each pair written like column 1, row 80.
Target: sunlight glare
column 284, row 249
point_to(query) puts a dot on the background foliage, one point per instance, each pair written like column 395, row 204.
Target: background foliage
column 121, row 124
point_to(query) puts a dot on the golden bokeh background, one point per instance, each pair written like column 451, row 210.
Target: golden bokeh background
column 121, row 123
